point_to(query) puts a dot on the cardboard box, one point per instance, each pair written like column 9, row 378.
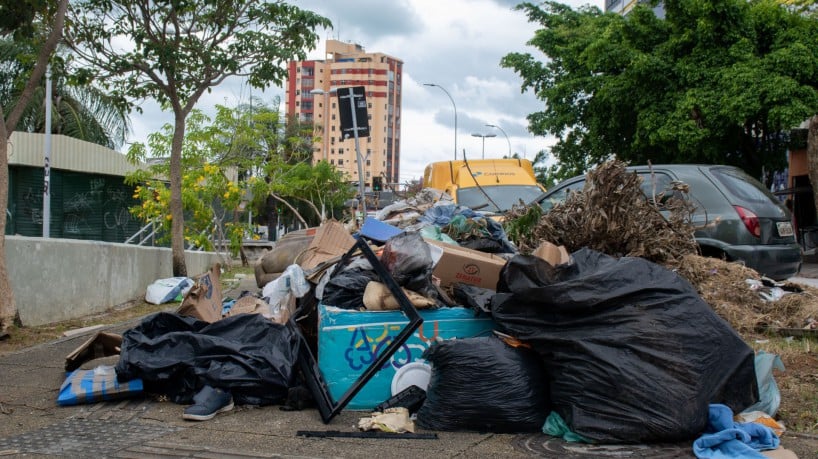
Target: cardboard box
column 96, row 385
column 101, row 344
column 460, row 264
column 331, row 240
column 204, row 300
column 553, row 254
column 349, row 341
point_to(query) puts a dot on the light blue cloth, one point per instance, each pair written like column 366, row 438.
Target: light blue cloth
column 727, row 439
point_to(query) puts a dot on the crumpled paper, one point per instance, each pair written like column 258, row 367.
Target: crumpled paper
column 395, row 420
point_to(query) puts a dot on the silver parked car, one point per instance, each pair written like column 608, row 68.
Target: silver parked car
column 736, row 216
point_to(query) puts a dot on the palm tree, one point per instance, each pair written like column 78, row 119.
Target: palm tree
column 82, row 112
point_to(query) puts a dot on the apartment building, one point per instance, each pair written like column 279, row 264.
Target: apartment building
column 624, row 7
column 310, row 94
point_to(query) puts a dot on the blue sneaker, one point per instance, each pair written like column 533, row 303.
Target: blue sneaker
column 209, row 402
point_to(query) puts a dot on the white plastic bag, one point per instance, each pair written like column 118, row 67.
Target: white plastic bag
column 281, row 293
column 165, row 290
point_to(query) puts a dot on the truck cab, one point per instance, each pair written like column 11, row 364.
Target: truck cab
column 488, row 185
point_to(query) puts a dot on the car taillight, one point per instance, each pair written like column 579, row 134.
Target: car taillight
column 750, row 220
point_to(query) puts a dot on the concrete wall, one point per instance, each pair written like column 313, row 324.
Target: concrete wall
column 59, row 279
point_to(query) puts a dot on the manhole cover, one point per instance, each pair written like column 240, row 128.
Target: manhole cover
column 547, row 446
column 84, row 438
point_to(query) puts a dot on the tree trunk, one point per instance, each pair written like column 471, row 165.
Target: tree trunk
column 177, row 227
column 272, row 218
column 812, row 159
column 8, row 308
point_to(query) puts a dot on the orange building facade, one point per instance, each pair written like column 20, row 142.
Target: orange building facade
column 310, row 96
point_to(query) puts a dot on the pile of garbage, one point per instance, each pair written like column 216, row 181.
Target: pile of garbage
column 592, row 323
column 612, row 215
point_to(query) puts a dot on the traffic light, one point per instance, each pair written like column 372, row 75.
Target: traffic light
column 376, row 183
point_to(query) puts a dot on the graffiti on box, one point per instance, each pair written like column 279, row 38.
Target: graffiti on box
column 367, row 343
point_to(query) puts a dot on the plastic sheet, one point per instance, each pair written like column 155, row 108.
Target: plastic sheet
column 769, row 395
column 482, row 384
column 466, row 219
column 246, row 354
column 281, row 293
column 633, row 352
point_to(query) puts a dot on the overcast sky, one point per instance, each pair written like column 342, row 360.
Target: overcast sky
column 456, row 44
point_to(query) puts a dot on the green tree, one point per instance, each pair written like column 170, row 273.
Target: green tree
column 80, row 111
column 209, row 195
column 181, row 49
column 716, row 81
column 20, row 19
column 232, row 163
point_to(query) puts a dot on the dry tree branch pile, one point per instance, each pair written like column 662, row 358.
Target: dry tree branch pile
column 612, row 215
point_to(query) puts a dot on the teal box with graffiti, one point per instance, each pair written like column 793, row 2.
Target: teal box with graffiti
column 349, row 341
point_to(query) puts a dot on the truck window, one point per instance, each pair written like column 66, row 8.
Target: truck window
column 505, row 196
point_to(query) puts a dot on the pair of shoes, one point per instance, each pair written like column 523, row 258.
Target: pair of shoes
column 209, row 402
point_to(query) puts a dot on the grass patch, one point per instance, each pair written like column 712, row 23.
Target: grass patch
column 797, row 383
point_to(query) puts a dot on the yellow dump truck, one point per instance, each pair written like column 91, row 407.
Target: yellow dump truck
column 489, row 185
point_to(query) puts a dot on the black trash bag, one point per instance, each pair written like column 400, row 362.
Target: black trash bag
column 633, row 352
column 472, row 296
column 246, row 354
column 485, row 385
column 484, row 244
column 408, row 259
column 346, row 285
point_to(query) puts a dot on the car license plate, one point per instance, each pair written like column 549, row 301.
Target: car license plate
column 784, row 229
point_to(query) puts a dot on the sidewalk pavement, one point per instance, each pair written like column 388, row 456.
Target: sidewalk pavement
column 32, row 425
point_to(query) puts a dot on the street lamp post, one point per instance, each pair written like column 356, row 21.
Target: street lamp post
column 325, row 136
column 483, row 136
column 455, row 114
column 504, row 133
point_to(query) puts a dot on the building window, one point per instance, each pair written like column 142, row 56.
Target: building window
column 340, row 161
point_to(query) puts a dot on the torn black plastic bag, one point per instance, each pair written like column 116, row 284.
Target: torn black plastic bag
column 408, row 259
column 346, row 285
column 248, row 355
column 485, row 385
column 633, row 352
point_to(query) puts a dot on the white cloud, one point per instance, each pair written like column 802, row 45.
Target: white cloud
column 456, row 44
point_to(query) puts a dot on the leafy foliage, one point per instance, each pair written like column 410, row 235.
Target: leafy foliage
column 714, row 82
column 230, row 165
column 80, row 111
column 174, row 51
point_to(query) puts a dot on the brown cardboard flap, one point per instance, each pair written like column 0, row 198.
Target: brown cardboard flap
column 331, row 240
column 553, row 254
column 204, row 300
column 101, row 344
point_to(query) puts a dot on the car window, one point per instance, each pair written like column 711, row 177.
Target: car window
column 742, row 185
column 659, row 183
column 559, row 195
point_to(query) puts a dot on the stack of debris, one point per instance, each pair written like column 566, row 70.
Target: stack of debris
column 603, row 295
